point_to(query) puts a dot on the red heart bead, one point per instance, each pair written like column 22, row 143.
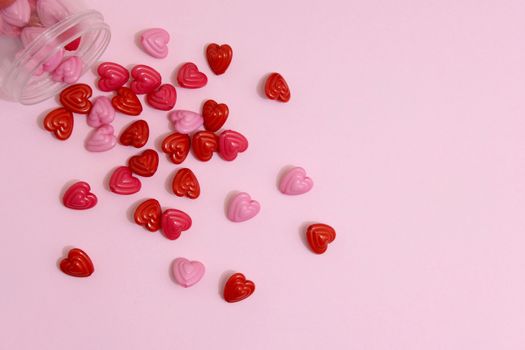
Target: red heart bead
column 177, row 146
column 231, row 143
column 164, row 98
column 238, row 288
column 76, row 98
column 122, row 181
column 185, row 184
column 73, row 46
column 79, row 197
column 219, row 57
column 60, row 122
column 319, row 236
column 77, row 264
column 136, row 134
column 148, row 214
column 190, row 77
column 127, row 102
column 214, row 114
column 112, row 76
column 174, row 222
column 276, row 88
column 144, row 164
column 146, row 79
column 204, row 144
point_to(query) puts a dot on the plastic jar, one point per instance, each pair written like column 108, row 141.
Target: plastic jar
column 42, row 39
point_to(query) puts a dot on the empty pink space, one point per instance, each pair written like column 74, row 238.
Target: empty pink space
column 408, row 116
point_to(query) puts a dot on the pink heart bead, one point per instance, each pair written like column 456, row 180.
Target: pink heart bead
column 17, row 14
column 101, row 113
column 29, row 34
column 155, row 42
column 186, row 122
column 186, row 272
column 231, row 143
column 295, row 182
column 122, row 181
column 102, row 139
column 51, row 11
column 54, row 61
column 242, row 208
column 69, row 70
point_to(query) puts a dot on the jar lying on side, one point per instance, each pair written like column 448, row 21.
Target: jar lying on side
column 45, row 45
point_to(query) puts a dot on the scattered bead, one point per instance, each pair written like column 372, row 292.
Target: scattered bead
column 276, row 88
column 102, row 112
column 242, row 208
column 231, row 143
column 127, row 102
column 174, row 222
column 79, row 197
column 238, row 288
column 144, row 164
column 186, row 272
column 177, row 146
column 148, row 214
column 136, row 134
column 76, row 98
column 146, row 79
column 185, row 184
column 204, row 144
column 219, row 57
column 60, row 122
column 295, row 182
column 185, row 122
column 77, row 264
column 214, row 115
column 101, row 139
column 155, row 42
column 319, row 236
column 122, row 181
column 112, row 76
column 164, row 98
column 190, row 77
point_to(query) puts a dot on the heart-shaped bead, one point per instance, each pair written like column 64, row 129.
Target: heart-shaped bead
column 185, row 184
column 186, row 122
column 146, row 79
column 144, row 164
column 174, row 222
column 68, row 71
column 77, row 264
column 136, row 134
column 155, row 42
column 219, row 57
column 214, row 115
column 53, row 62
column 238, row 288
column 79, row 197
column 60, row 122
column 164, row 98
column 101, row 139
column 102, row 112
column 319, row 236
column 242, row 208
column 148, row 214
column 177, row 146
column 127, row 102
column 74, row 45
column 295, row 182
column 17, row 14
column 28, row 34
column 204, row 144
column 190, row 77
column 51, row 12
column 76, row 98
column 186, row 272
column 112, row 76
column 231, row 143
column 122, row 181
column 276, row 88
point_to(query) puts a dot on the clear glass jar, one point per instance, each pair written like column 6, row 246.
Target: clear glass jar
column 36, row 49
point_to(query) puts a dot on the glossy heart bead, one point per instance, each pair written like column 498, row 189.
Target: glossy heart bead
column 136, row 134
column 219, row 57
column 60, row 122
column 164, row 98
column 148, row 214
column 17, row 14
column 79, row 197
column 68, row 71
column 51, row 12
column 122, row 181
column 127, row 102
column 190, row 77
column 276, row 88
column 174, row 222
column 112, row 76
column 101, row 139
column 76, row 98
column 102, row 112
column 187, row 273
column 177, row 146
column 231, row 143
column 295, row 182
column 319, row 236
column 185, row 184
column 74, row 45
column 185, row 122
column 214, row 115
column 146, row 79
column 238, row 288
column 155, row 42
column 77, row 264
column 204, row 144
column 144, row 164
column 242, row 208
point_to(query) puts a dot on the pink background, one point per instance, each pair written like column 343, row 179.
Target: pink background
column 408, row 115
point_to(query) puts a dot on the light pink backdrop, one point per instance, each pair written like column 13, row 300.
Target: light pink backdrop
column 409, row 115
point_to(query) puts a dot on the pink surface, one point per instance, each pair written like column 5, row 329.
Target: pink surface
column 408, row 115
